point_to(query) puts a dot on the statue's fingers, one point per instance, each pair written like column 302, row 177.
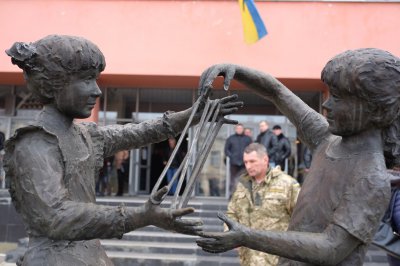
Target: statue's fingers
column 207, row 90
column 230, row 121
column 214, row 235
column 207, row 79
column 228, row 78
column 210, row 250
column 196, row 229
column 232, row 104
column 229, row 98
column 228, row 111
column 189, row 222
column 210, row 245
column 229, row 222
column 202, row 80
column 158, row 196
column 182, row 212
column 190, row 230
column 205, row 242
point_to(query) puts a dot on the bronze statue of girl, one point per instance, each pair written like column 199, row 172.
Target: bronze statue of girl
column 53, row 163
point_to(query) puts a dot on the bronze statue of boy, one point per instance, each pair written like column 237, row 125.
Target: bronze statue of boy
column 347, row 189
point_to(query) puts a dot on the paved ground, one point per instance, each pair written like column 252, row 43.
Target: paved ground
column 4, row 248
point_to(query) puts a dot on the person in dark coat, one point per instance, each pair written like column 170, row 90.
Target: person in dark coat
column 284, row 150
column 307, row 158
column 234, row 148
column 269, row 140
column 395, row 185
column 176, row 162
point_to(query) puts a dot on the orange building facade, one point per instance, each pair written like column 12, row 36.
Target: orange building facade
column 156, row 50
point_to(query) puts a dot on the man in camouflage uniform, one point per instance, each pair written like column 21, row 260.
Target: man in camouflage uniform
column 264, row 200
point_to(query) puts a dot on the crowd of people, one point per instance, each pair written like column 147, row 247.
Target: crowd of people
column 262, row 194
column 264, row 199
column 275, row 142
column 114, row 176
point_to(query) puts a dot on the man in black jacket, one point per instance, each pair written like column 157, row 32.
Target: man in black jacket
column 234, row 148
column 283, row 150
column 269, row 140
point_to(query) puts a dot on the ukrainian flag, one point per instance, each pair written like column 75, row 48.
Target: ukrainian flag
column 254, row 28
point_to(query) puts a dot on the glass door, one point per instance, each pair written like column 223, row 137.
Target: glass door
column 139, row 174
column 142, row 174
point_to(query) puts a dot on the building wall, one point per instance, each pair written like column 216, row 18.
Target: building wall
column 169, row 43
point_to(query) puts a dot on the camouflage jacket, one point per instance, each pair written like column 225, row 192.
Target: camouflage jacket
column 264, row 206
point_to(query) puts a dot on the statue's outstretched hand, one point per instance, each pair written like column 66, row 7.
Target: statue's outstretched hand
column 229, row 105
column 223, row 241
column 170, row 219
column 210, row 74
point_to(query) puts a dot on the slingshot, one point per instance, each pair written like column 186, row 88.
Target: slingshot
column 210, row 116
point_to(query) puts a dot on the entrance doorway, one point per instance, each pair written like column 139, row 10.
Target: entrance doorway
column 148, row 162
column 136, row 105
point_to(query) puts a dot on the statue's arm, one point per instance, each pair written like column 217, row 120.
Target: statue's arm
column 133, row 136
column 349, row 227
column 327, row 248
column 47, row 205
column 312, row 127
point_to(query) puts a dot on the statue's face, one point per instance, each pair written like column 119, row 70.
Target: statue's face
column 78, row 97
column 346, row 115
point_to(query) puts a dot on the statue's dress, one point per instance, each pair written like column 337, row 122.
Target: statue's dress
column 53, row 166
column 346, row 189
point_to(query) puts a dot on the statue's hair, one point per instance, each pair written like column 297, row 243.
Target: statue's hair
column 372, row 75
column 257, row 147
column 49, row 62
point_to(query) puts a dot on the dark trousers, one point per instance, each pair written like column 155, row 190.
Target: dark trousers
column 170, row 174
column 236, row 171
column 121, row 181
column 393, row 261
column 282, row 164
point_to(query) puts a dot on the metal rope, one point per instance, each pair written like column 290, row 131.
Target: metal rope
column 210, row 116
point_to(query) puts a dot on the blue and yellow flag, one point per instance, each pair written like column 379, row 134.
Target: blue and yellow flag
column 254, row 28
